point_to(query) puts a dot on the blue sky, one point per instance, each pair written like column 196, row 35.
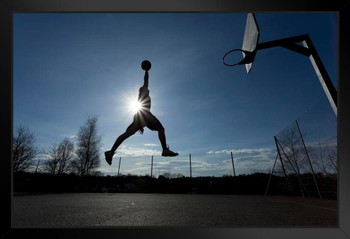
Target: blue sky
column 69, row 66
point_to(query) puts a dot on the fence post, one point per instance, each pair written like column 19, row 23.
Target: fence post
column 279, row 154
column 120, row 159
column 308, row 158
column 190, row 167
column 273, row 168
column 233, row 166
column 152, row 166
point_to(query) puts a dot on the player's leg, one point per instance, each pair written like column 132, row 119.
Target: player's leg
column 132, row 129
column 129, row 131
column 154, row 124
column 166, row 151
column 161, row 136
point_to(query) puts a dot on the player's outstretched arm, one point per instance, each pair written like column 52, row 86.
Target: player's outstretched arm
column 145, row 84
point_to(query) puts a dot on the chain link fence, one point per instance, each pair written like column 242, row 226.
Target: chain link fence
column 307, row 153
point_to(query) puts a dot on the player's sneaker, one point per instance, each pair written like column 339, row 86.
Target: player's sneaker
column 168, row 153
column 109, row 156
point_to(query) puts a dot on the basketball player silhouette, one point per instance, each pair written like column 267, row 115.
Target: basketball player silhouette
column 143, row 118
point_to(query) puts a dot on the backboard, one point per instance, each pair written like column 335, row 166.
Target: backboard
column 251, row 39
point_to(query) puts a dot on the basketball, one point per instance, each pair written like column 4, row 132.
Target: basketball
column 146, row 65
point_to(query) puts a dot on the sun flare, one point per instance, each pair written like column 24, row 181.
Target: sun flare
column 134, row 106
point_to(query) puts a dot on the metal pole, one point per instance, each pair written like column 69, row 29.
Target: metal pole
column 233, row 166
column 279, row 154
column 322, row 74
column 152, row 166
column 310, row 51
column 273, row 168
column 308, row 158
column 120, row 159
column 190, row 167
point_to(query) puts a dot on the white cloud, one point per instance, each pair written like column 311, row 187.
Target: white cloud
column 245, row 160
column 43, row 156
column 73, row 136
column 332, row 142
column 127, row 151
column 151, row 145
column 238, row 151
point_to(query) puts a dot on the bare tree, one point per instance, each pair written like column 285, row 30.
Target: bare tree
column 88, row 148
column 332, row 159
column 51, row 164
column 291, row 143
column 60, row 157
column 325, row 159
column 23, row 149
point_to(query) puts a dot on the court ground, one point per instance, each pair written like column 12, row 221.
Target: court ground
column 185, row 210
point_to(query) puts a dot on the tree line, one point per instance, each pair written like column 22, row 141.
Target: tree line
column 251, row 184
column 72, row 167
column 81, row 158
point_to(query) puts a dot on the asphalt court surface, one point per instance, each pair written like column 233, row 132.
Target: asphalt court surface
column 164, row 210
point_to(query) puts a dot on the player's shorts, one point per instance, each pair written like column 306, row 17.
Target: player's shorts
column 145, row 119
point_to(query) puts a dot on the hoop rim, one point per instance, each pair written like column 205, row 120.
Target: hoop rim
column 233, row 50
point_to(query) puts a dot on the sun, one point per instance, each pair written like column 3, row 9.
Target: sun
column 134, row 106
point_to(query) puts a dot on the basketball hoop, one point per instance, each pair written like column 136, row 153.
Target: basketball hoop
column 248, row 57
column 250, row 43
